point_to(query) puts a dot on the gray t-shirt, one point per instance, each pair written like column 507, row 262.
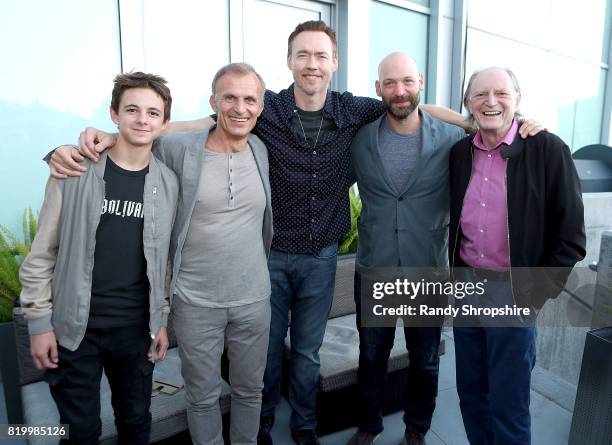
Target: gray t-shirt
column 399, row 153
column 223, row 260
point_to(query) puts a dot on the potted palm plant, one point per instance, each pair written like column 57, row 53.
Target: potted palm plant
column 350, row 241
column 12, row 252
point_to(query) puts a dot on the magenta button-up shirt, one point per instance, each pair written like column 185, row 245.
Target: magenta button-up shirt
column 484, row 217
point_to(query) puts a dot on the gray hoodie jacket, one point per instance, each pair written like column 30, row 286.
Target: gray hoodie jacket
column 56, row 276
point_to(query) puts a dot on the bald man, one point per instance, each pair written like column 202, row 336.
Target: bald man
column 400, row 162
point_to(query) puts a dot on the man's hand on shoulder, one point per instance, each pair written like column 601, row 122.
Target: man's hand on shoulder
column 530, row 127
column 43, row 348
column 92, row 142
column 64, row 161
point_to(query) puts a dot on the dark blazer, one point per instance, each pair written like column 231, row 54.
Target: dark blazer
column 409, row 228
column 545, row 213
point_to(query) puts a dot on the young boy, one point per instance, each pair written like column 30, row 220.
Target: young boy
column 95, row 277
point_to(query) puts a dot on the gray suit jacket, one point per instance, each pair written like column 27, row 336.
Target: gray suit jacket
column 410, row 228
column 183, row 153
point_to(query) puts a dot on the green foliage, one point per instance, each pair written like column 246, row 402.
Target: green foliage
column 12, row 253
column 350, row 241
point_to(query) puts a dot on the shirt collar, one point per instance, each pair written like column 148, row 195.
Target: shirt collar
column 507, row 140
column 288, row 99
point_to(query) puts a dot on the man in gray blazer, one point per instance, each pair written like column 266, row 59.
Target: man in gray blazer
column 222, row 298
column 400, row 162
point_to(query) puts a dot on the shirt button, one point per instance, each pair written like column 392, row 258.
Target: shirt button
column 486, row 179
column 482, row 255
column 481, row 230
column 314, row 152
column 489, row 155
column 483, row 204
column 401, row 198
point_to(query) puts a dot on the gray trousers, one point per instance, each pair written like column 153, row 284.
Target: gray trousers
column 201, row 334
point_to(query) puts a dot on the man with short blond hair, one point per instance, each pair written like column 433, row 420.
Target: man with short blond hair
column 220, row 243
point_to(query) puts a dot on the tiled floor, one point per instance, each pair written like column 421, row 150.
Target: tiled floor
column 551, row 404
column 550, row 420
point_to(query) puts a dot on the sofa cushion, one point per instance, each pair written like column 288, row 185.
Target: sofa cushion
column 339, row 353
column 168, row 412
column 344, row 302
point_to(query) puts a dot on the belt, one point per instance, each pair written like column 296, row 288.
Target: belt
column 492, row 275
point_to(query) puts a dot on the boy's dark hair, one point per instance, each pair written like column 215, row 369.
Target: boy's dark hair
column 313, row 25
column 139, row 79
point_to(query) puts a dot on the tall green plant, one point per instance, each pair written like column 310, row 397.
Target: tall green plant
column 350, row 241
column 12, row 252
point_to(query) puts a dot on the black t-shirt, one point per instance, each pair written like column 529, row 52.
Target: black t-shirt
column 312, row 121
column 120, row 287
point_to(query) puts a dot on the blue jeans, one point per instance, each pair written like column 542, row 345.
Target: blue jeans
column 375, row 344
column 304, row 285
column 494, row 365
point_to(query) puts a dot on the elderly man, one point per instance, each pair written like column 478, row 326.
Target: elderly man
column 515, row 206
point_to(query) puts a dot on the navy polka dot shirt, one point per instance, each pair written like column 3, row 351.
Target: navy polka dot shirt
column 310, row 184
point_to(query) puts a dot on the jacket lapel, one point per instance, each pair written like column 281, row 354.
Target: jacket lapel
column 258, row 150
column 375, row 154
column 428, row 142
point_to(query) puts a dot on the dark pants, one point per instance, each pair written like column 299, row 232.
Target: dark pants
column 75, row 384
column 304, row 285
column 375, row 345
column 494, row 360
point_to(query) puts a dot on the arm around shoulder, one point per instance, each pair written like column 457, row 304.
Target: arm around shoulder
column 194, row 125
column 447, row 115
